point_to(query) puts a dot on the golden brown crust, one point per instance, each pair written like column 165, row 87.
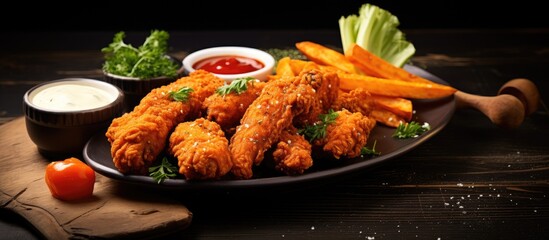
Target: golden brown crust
column 138, row 137
column 264, row 117
column 292, row 155
column 260, row 126
column 326, row 87
column 202, row 150
column 274, row 110
column 357, row 100
column 348, row 134
column 227, row 110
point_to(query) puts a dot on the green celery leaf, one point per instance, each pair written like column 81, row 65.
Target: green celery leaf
column 376, row 30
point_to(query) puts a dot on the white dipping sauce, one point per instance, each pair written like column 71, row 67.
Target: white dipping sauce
column 71, row 97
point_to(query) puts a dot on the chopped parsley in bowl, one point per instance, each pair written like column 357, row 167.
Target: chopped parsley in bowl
column 138, row 70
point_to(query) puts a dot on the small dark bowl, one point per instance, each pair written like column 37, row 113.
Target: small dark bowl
column 60, row 133
column 136, row 88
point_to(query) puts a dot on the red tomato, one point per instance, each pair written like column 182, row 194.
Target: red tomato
column 70, row 179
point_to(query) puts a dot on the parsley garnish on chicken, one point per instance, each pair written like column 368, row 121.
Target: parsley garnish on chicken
column 237, row 86
column 181, row 95
column 318, row 129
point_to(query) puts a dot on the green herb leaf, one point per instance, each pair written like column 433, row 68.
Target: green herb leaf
column 367, row 151
column 411, row 130
column 163, row 171
column 237, row 86
column 279, row 53
column 182, row 95
column 150, row 60
column 376, row 30
column 318, row 129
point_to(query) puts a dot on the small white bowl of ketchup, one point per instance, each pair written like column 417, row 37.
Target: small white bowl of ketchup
column 231, row 62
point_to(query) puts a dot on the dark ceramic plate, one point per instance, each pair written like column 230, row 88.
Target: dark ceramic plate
column 435, row 112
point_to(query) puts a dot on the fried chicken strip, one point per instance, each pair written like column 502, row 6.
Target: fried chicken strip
column 347, row 135
column 357, row 100
column 293, row 153
column 227, row 110
column 202, row 150
column 264, row 120
column 138, row 137
column 326, row 85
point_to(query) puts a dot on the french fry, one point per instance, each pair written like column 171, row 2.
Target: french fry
column 391, row 87
column 394, row 88
column 386, row 117
column 283, row 67
column 299, row 65
column 326, row 56
column 375, row 66
column 399, row 106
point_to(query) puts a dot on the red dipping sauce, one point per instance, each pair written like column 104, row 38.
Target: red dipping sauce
column 229, row 65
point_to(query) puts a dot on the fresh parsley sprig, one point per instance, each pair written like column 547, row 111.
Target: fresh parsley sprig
column 370, row 151
column 237, row 86
column 411, row 130
column 163, row 171
column 318, row 129
column 181, row 95
column 149, row 60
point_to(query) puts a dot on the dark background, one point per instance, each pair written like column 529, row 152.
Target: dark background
column 281, row 14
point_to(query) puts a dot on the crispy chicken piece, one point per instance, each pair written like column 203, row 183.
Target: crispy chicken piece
column 326, row 85
column 357, row 100
column 202, row 150
column 293, row 153
column 138, row 137
column 265, row 118
column 347, row 135
column 227, row 110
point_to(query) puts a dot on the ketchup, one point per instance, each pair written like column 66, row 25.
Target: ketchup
column 229, row 65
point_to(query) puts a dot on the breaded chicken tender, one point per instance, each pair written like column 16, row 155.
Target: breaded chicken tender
column 347, row 135
column 137, row 138
column 228, row 109
column 264, row 120
column 357, row 100
column 326, row 85
column 292, row 155
column 202, row 150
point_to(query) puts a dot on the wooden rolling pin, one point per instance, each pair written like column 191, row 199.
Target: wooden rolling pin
column 516, row 99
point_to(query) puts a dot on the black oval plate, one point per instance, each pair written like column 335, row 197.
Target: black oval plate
column 436, row 112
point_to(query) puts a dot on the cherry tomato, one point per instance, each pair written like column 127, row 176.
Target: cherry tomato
column 70, row 179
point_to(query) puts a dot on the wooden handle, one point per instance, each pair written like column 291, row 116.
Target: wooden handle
column 515, row 100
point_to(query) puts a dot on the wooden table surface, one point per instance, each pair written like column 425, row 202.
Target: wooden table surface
column 472, row 180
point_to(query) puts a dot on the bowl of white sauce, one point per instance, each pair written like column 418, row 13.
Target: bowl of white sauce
column 62, row 115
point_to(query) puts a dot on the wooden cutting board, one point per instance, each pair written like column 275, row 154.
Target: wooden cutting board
column 115, row 210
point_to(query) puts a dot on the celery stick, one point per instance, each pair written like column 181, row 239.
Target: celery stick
column 376, row 30
column 347, row 30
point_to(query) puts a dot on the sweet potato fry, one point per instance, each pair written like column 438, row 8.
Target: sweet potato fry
column 283, row 67
column 375, row 66
column 326, row 56
column 299, row 65
column 394, row 88
column 386, row 117
column 399, row 106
